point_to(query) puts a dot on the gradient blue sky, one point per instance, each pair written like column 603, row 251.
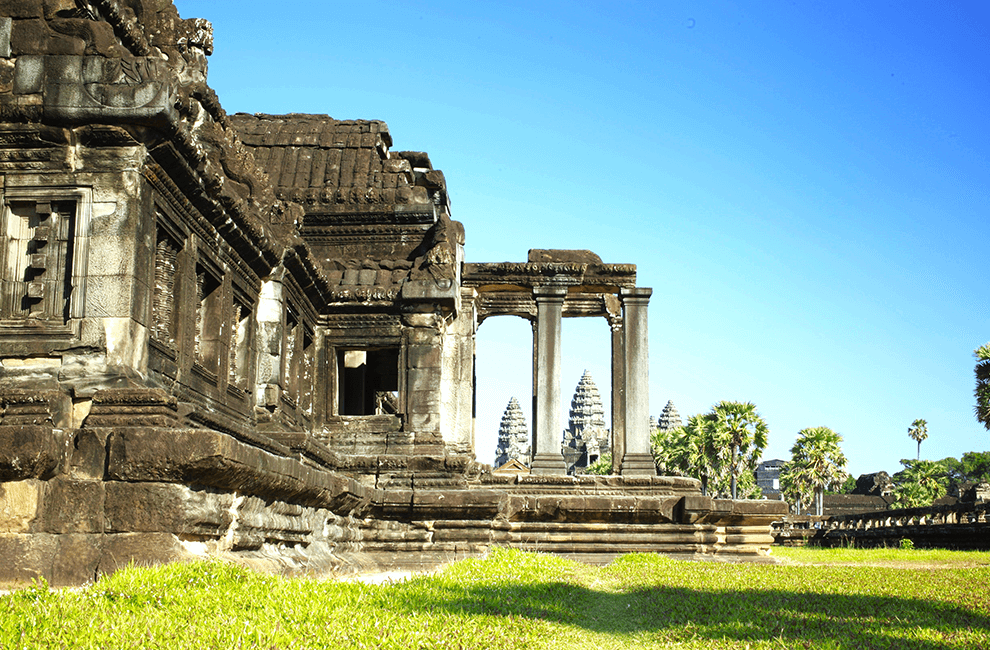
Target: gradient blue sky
column 805, row 186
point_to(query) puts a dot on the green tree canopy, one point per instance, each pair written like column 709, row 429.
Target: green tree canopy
column 982, row 391
column 601, row 467
column 919, row 483
column 746, row 432
column 694, row 450
column 795, row 485
column 818, row 460
column 720, row 448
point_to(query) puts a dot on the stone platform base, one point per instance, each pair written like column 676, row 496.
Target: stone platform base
column 79, row 503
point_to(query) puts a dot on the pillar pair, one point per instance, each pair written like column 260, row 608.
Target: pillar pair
column 630, row 354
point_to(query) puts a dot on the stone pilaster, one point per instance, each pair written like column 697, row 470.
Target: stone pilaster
column 618, row 394
column 549, row 308
column 637, row 459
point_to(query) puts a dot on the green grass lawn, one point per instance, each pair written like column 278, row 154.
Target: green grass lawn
column 852, row 599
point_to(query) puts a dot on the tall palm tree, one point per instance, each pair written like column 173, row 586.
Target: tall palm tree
column 982, row 391
column 746, row 432
column 918, row 431
column 818, row 454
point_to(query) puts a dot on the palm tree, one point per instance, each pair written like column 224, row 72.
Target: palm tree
column 983, row 385
column 746, row 432
column 918, row 431
column 818, row 454
column 692, row 450
column 795, row 485
column 919, row 484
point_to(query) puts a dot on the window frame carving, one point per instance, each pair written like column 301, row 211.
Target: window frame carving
column 75, row 266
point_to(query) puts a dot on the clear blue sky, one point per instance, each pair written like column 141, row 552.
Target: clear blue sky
column 805, row 186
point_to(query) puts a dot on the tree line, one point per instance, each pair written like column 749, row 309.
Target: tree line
column 723, row 447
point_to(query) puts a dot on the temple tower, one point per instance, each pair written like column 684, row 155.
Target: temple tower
column 669, row 417
column 513, row 436
column 586, row 437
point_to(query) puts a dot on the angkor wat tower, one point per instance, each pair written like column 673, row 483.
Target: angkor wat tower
column 513, row 436
column 669, row 417
column 586, row 439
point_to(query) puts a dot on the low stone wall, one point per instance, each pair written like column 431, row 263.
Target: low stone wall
column 955, row 526
column 959, row 526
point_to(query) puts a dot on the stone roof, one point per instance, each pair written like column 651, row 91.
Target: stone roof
column 330, row 165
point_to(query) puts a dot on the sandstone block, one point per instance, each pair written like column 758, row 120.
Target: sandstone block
column 24, row 8
column 32, row 36
column 6, row 24
column 28, row 452
column 87, row 455
column 142, row 549
column 26, row 556
column 166, row 508
column 73, row 506
column 76, row 560
column 421, row 356
column 20, row 505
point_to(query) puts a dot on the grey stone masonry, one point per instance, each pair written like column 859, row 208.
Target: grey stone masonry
column 549, row 306
column 637, row 460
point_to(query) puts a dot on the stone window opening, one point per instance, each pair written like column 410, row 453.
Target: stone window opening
column 209, row 321
column 164, row 318
column 37, row 252
column 298, row 369
column 305, row 391
column 368, row 381
column 240, row 352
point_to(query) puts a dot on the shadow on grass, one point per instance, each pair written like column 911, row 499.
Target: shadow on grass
column 791, row 618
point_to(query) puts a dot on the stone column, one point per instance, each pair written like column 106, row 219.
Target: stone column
column 547, row 458
column 618, row 394
column 637, row 459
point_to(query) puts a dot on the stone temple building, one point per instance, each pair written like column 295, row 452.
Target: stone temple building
column 252, row 336
column 585, row 438
column 513, row 436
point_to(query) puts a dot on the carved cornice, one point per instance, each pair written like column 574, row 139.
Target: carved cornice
column 597, row 277
column 183, row 208
column 388, row 218
column 364, row 295
column 523, row 304
column 357, row 321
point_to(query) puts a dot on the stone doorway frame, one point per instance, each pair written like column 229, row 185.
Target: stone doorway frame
column 566, row 284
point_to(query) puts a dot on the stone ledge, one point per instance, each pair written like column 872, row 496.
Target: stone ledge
column 214, row 459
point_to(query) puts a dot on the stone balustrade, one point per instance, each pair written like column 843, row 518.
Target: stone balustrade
column 962, row 525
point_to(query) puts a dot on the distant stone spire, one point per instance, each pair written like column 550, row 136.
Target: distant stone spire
column 513, row 436
column 586, row 437
column 669, row 417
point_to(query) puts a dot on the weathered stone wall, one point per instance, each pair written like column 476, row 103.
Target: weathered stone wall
column 75, row 503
